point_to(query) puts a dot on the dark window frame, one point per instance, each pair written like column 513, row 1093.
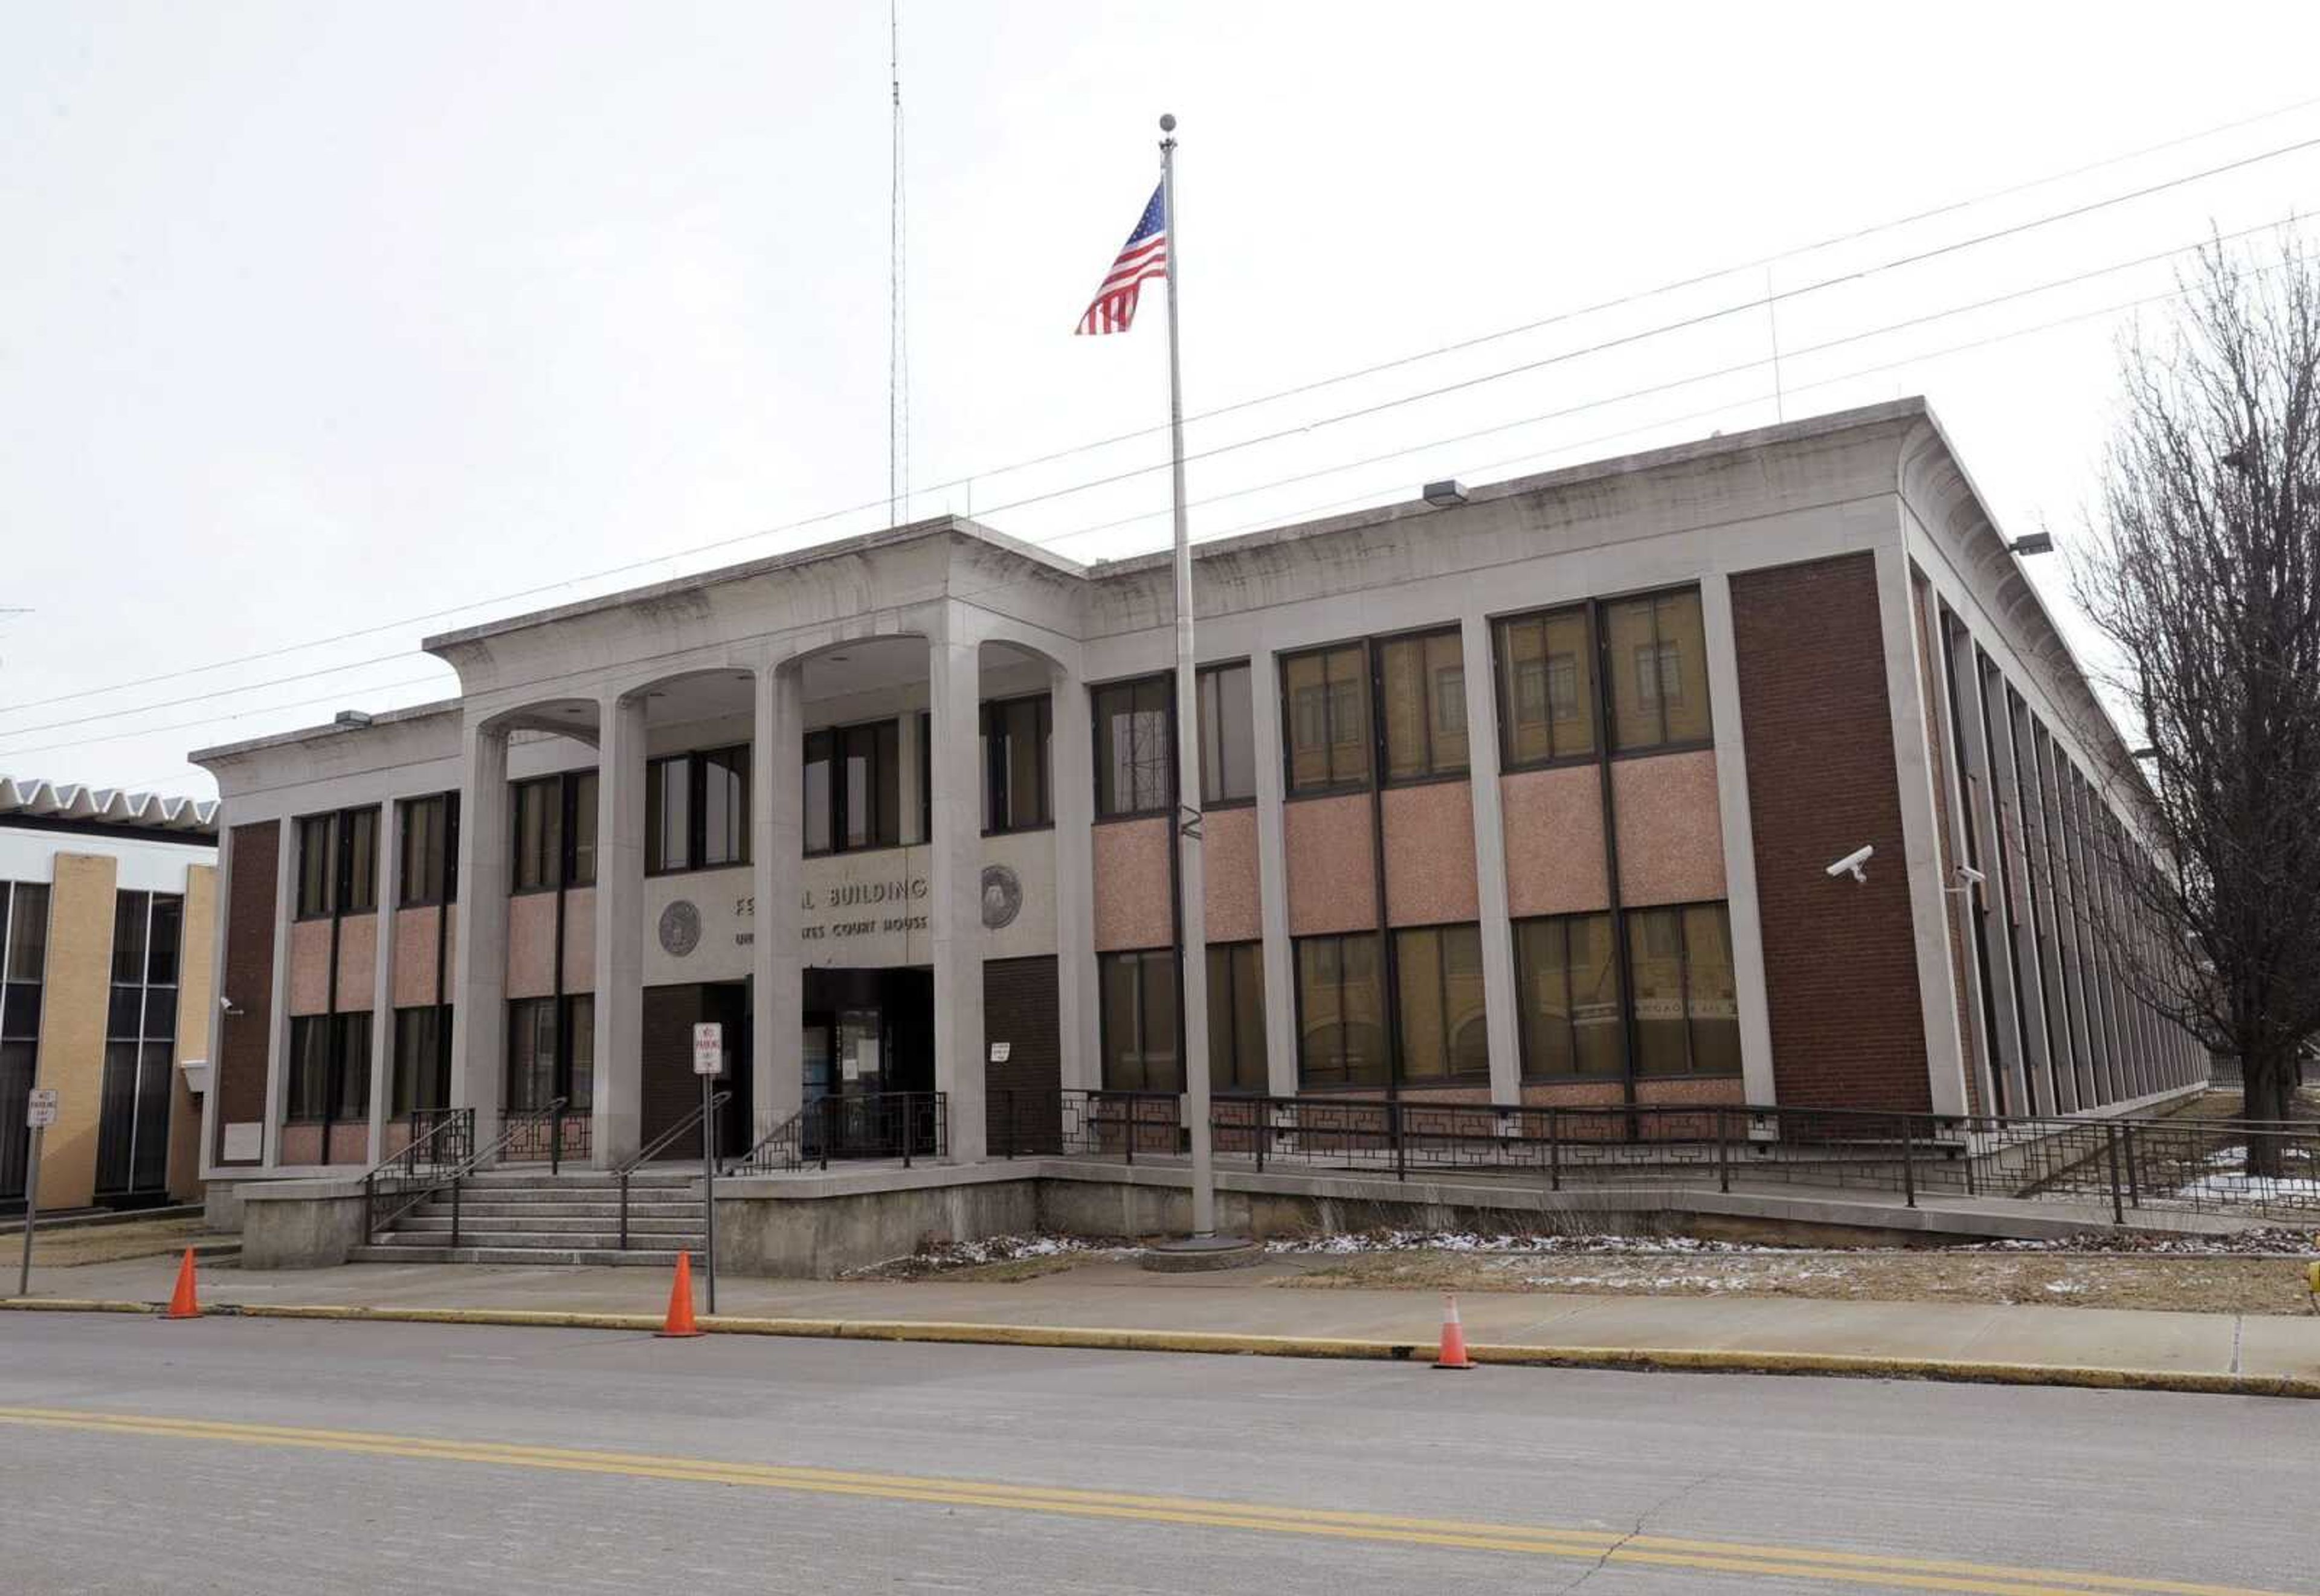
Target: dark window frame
column 1397, row 1062
column 336, row 1109
column 1173, row 986
column 1099, row 743
column 1229, row 1058
column 1201, row 693
column 445, row 889
column 695, row 763
column 345, row 889
column 1505, row 704
column 998, row 743
column 1365, row 679
column 563, row 870
column 1679, row 914
column 1307, row 1081
column 401, row 1102
column 1616, row 966
column 1607, row 729
column 564, row 1077
column 1381, row 729
column 835, row 741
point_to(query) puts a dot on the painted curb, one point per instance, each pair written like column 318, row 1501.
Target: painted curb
column 1671, row 1360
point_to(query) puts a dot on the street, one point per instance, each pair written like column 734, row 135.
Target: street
column 138, row 1454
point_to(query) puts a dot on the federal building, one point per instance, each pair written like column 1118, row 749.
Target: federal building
column 1520, row 793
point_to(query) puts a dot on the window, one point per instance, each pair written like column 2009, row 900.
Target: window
column 1687, row 1018
column 696, row 811
column 1656, row 653
column 1438, row 1012
column 853, row 788
column 317, row 873
column 1326, row 696
column 1015, row 786
column 329, row 1066
column 555, row 841
column 1340, row 1012
column 552, row 1053
column 25, row 908
column 1134, row 748
column 579, row 830
column 1138, row 996
column 133, row 1152
column 1237, row 1017
column 1422, row 692
column 338, row 864
column 1547, row 688
column 423, row 1060
column 1227, row 736
column 1567, row 985
column 430, row 850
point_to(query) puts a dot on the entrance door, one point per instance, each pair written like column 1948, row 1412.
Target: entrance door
column 867, row 1058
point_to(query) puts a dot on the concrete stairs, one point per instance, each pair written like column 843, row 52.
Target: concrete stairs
column 524, row 1215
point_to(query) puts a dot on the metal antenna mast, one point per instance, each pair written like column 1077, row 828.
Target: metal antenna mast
column 898, row 317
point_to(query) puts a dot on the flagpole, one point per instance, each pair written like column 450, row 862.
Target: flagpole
column 1192, row 916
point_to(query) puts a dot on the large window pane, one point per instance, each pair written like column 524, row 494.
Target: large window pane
column 724, row 797
column 1418, row 1017
column 819, row 754
column 580, row 1050
column 350, row 1100
column 1546, row 687
column 1682, row 656
column 1655, row 963
column 1237, row 1017
column 359, row 827
column 1134, row 759
column 423, row 1060
column 580, row 789
column 162, row 944
column 1341, row 1011
column 668, row 815
column 1227, row 736
column 1139, row 994
column 1543, row 979
column 28, row 931
column 317, row 865
column 1015, row 788
column 426, row 850
column 1325, row 700
column 531, row 1054
column 1712, row 998
column 129, row 910
column 1595, row 1012
column 309, row 1066
column 1657, row 656
column 1423, row 681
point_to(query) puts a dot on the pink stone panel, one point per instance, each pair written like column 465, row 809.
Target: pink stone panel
column 1555, row 841
column 351, row 1142
column 1671, row 834
column 1429, row 854
column 531, row 945
column 414, row 957
column 394, row 1136
column 1574, row 1094
column 1133, row 888
column 302, row 1144
column 1332, row 866
column 580, row 939
column 310, row 967
column 1228, row 875
column 1692, row 1088
column 358, row 963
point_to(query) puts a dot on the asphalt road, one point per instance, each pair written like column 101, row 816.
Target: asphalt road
column 137, row 1454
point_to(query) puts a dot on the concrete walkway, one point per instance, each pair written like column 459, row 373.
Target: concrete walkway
column 1948, row 1339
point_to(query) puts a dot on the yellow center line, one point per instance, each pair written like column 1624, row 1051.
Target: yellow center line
column 1718, row 1556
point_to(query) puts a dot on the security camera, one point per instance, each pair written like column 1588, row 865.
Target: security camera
column 225, row 1006
column 1970, row 875
column 1853, row 863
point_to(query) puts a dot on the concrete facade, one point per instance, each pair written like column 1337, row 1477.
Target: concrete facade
column 1841, row 577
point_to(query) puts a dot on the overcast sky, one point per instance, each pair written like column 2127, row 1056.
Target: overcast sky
column 320, row 319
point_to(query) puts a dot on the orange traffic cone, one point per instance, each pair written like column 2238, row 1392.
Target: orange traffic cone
column 183, row 1303
column 1453, row 1338
column 680, row 1302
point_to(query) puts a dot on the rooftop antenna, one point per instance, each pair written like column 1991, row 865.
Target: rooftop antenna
column 897, row 321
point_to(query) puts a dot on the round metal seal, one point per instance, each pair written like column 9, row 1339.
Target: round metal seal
column 1002, row 896
column 680, row 928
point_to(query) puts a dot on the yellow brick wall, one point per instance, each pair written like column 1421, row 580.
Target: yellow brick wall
column 77, row 985
column 196, row 1000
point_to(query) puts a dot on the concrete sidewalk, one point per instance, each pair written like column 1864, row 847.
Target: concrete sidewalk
column 1117, row 1304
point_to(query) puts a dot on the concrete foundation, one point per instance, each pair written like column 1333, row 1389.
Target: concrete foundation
column 301, row 1224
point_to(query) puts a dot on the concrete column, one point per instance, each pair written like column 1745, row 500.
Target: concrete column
column 479, row 1015
column 906, row 774
column 954, row 898
column 1929, row 919
column 777, row 872
column 1502, row 997
column 617, row 1119
column 2054, row 1003
column 1272, row 878
column 277, row 1038
column 1071, row 765
column 1988, row 899
column 381, row 1003
column 1742, row 906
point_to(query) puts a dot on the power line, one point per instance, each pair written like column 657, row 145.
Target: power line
column 1856, row 374
column 967, row 480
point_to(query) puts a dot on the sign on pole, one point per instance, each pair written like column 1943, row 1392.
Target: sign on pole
column 40, row 1108
column 709, row 1048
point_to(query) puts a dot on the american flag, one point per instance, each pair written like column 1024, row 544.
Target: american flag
column 1145, row 255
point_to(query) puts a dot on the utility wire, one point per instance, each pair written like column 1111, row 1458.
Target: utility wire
column 1640, row 295
column 1903, row 361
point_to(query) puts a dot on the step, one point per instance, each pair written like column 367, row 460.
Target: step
column 471, row 1218
column 554, row 1241
column 638, row 1259
column 570, row 1178
column 588, row 1210
column 546, row 1192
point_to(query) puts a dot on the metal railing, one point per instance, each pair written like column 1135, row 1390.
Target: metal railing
column 442, row 1139
column 550, row 1134
column 2174, row 1162
column 905, row 1125
column 658, row 1144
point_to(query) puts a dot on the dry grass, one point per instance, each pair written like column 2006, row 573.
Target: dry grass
column 2071, row 1280
column 112, row 1244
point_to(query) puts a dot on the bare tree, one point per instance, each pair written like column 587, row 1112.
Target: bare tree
column 2203, row 571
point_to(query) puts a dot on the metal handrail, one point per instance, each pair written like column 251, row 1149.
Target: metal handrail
column 512, row 1125
column 455, row 1129
column 645, row 1152
column 791, row 1130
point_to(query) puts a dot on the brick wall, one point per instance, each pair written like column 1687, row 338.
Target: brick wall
column 240, row 1067
column 1840, row 961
